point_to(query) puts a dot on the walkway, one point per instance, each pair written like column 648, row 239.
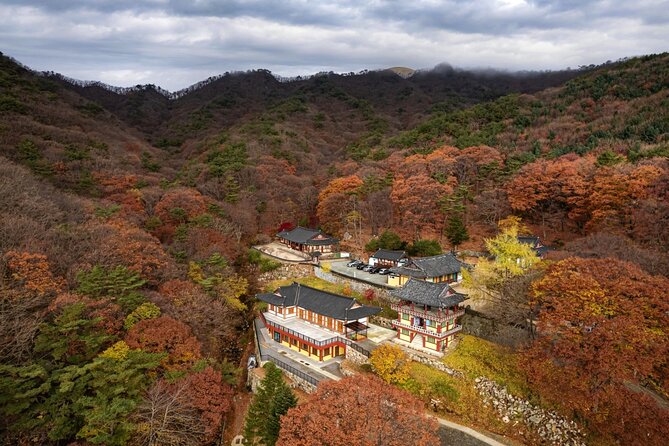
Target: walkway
column 471, row 437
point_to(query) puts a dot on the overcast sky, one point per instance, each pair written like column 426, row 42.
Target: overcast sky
column 175, row 43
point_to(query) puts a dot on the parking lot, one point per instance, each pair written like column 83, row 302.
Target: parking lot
column 340, row 268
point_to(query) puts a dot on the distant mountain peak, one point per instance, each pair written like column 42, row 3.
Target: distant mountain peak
column 402, row 71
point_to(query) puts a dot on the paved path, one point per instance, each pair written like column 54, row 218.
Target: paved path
column 466, row 436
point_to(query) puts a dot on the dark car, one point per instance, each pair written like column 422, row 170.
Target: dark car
column 361, row 265
column 353, row 263
column 376, row 269
column 384, row 271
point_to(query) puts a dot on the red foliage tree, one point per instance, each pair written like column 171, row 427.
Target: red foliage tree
column 165, row 334
column 178, row 206
column 603, row 346
column 206, row 392
column 358, row 411
column 214, row 323
column 415, row 204
column 121, row 243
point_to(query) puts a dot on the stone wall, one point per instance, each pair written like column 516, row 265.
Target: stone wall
column 360, row 287
column 254, row 380
column 382, row 322
column 284, row 272
column 299, row 383
column 432, row 362
column 479, row 325
column 550, row 426
column 355, row 356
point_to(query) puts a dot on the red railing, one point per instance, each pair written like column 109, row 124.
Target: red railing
column 425, row 331
column 428, row 314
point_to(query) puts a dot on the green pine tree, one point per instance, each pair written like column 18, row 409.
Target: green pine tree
column 456, row 231
column 272, row 400
column 100, row 281
column 283, row 400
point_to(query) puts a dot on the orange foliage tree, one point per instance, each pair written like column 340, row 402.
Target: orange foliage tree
column 553, row 188
column 335, row 202
column 415, row 204
column 358, row 411
column 616, row 191
column 121, row 243
column 215, row 323
column 603, row 347
column 33, row 272
column 165, row 334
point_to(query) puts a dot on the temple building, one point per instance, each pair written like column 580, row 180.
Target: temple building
column 314, row 322
column 308, row 240
column 440, row 268
column 388, row 258
column 427, row 314
column 534, row 242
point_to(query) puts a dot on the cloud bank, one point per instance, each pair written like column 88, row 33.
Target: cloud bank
column 175, row 43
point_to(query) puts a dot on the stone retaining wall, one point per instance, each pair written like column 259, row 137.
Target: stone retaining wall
column 355, row 356
column 431, row 362
column 550, row 426
column 360, row 287
column 382, row 322
column 295, row 382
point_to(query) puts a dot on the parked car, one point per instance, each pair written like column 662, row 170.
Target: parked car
column 361, row 265
column 353, row 263
column 368, row 268
column 384, row 271
column 376, row 269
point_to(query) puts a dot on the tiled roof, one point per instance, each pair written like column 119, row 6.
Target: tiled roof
column 531, row 240
column 305, row 236
column 318, row 301
column 387, row 254
column 435, row 266
column 439, row 295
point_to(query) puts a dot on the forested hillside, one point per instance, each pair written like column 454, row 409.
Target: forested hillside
column 126, row 218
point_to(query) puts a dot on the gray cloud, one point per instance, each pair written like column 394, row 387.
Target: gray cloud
column 174, row 43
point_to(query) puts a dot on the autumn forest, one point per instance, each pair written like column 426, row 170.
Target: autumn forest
column 128, row 216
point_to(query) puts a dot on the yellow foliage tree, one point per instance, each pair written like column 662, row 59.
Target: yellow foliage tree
column 391, row 364
column 147, row 310
column 502, row 283
column 119, row 351
column 231, row 289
